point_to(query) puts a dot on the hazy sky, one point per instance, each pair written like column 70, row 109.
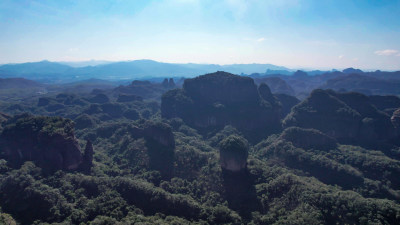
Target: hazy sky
column 308, row 34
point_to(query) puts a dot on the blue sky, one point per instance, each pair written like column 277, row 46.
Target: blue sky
column 297, row 34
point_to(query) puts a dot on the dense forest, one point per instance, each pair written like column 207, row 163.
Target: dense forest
column 215, row 149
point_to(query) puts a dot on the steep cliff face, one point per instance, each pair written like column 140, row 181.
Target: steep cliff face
column 160, row 144
column 277, row 85
column 287, row 103
column 348, row 117
column 221, row 87
column 48, row 141
column 395, row 119
column 233, row 153
column 215, row 100
column 388, row 103
column 87, row 162
column 326, row 113
column 375, row 124
column 266, row 94
column 308, row 138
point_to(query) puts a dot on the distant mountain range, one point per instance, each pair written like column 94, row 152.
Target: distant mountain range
column 61, row 72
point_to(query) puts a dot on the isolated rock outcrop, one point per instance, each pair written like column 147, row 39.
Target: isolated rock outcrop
column 276, row 84
column 233, row 153
column 215, row 100
column 168, row 83
column 160, row 144
column 48, row 141
column 87, row 162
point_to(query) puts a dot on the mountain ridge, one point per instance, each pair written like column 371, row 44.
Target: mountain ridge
column 46, row 70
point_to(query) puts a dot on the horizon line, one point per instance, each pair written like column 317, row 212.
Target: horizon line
column 254, row 63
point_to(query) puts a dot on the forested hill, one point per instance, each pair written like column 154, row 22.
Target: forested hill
column 215, row 149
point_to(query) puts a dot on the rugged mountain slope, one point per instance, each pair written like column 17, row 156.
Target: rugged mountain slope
column 149, row 169
column 19, row 83
column 364, row 84
column 349, row 117
column 215, row 100
column 49, row 142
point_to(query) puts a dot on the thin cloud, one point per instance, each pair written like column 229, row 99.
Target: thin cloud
column 387, row 52
column 341, row 56
column 260, row 39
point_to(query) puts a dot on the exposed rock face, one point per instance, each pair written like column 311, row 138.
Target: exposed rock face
column 376, row 124
column 266, row 94
column 48, row 141
column 165, row 83
column 348, row 117
column 171, row 83
column 326, row 113
column 233, row 153
column 87, row 162
column 221, row 87
column 308, row 138
column 160, row 133
column 287, row 103
column 219, row 99
column 160, row 143
column 168, row 83
column 396, row 119
column 277, row 85
column 388, row 103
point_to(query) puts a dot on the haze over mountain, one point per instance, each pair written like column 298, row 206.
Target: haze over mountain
column 228, row 112
column 51, row 71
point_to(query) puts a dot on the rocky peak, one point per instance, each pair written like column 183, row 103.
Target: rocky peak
column 171, row 83
column 221, row 87
column 218, row 99
column 300, row 74
column 266, row 94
